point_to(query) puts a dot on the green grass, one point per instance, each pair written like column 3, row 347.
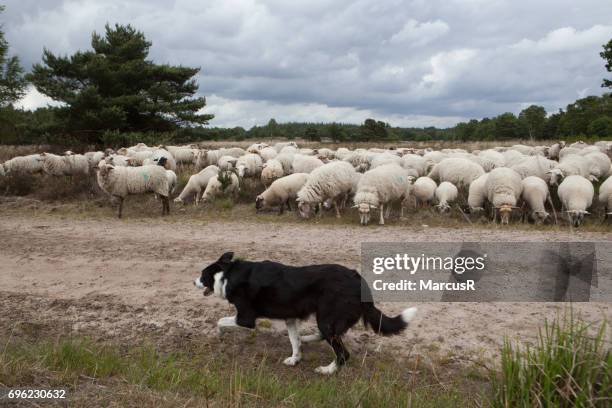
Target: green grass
column 568, row 367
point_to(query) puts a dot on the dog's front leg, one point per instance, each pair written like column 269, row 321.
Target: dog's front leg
column 294, row 337
column 226, row 323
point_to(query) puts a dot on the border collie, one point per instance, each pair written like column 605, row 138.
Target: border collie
column 272, row 290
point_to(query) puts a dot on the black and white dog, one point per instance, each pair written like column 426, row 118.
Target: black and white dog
column 272, row 290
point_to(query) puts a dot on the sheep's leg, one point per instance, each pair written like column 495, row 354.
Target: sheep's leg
column 120, row 209
column 381, row 212
column 337, row 209
column 388, row 213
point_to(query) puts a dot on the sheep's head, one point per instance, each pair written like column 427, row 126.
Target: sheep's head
column 443, row 208
column 178, row 200
column 259, row 202
column 305, row 209
column 104, row 168
column 556, row 176
column 365, row 212
column 505, row 211
column 576, row 217
column 241, row 170
column 540, row 217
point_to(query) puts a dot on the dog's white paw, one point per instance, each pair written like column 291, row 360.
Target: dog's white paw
column 291, row 361
column 328, row 369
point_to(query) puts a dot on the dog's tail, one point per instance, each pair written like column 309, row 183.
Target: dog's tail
column 386, row 325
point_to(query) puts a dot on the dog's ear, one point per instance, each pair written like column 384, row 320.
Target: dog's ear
column 225, row 259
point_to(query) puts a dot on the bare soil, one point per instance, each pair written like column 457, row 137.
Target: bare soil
column 123, row 278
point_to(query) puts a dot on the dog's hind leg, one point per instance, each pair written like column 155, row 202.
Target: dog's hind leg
column 294, row 337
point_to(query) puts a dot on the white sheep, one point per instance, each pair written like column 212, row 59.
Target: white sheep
column 504, row 188
column 272, row 170
column 216, row 188
column 286, row 160
column 381, row 159
column 305, row 164
column 599, row 164
column 249, row 165
column 512, row 157
column 93, row 158
column 553, row 151
column 226, row 162
column 333, row 180
column 576, row 195
column 232, row 151
column 605, row 196
column 477, row 195
column 267, row 153
column 281, row 192
column 325, row 154
column 432, row 158
column 169, row 164
column 30, row 164
column 197, row 184
column 446, row 193
column 414, row 162
column 137, row 157
column 456, row 170
column 280, row 145
column 256, row 147
column 536, row 194
column 71, row 165
column 341, row 153
column 422, row 191
column 118, row 160
column 538, row 166
column 378, row 187
column 359, row 159
column 570, row 165
column 567, row 151
column 120, row 182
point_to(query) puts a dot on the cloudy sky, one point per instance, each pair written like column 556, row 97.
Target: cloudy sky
column 411, row 63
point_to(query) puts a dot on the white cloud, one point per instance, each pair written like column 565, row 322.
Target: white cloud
column 567, row 39
column 415, row 34
column 34, row 99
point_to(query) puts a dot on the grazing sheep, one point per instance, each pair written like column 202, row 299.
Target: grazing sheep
column 567, row 151
column 446, row 193
column 169, row 164
column 536, row 195
column 183, row 154
column 385, row 158
column 119, row 182
column 226, row 162
column 599, row 164
column 504, row 188
column 267, row 153
column 137, row 157
column 216, row 186
column 458, row 171
column 423, row 190
column 605, row 196
column 526, row 150
column 359, row 159
column 281, row 192
column 249, row 165
column 292, row 150
column 256, row 147
column 341, row 153
column 512, row 157
column 93, row 158
column 378, row 187
column 414, row 162
column 232, row 151
column 197, row 184
column 272, row 170
column 535, row 166
column 570, row 165
column 576, row 195
column 70, row 165
column 118, row 160
column 553, row 151
column 281, row 145
column 286, row 160
column 432, row 158
column 333, row 180
column 207, row 158
column 30, row 164
column 325, row 154
column 305, row 164
column 477, row 195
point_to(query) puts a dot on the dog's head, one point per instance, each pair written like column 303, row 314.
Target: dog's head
column 212, row 278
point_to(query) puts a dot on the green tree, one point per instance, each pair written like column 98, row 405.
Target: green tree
column 312, row 134
column 506, row 126
column 12, row 80
column 533, row 120
column 606, row 54
column 336, row 132
column 373, row 130
column 115, row 87
column 601, row 127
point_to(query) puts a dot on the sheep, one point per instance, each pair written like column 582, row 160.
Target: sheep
column 414, row 162
column 272, row 170
column 281, row 192
column 553, row 151
column 256, row 147
column 207, row 158
column 422, row 191
column 535, row 166
column 225, row 182
column 332, row 180
column 341, row 153
column 119, row 182
column 536, row 194
column 569, row 165
column 93, row 158
column 477, row 194
column 30, row 164
column 458, row 171
column 567, row 151
column 526, row 150
column 382, row 159
column 281, row 145
column 226, row 162
column 432, row 158
column 197, row 184
column 118, row 160
column 378, row 187
column 325, row 154
column 446, row 193
column 137, row 157
column 170, row 163
column 267, row 153
column 576, row 195
column 286, row 160
column 70, row 165
column 599, row 164
column 289, row 150
column 503, row 188
column 249, row 165
column 512, row 157
column 605, row 196
column 232, row 151
column 305, row 164
column 359, row 159
column 306, row 151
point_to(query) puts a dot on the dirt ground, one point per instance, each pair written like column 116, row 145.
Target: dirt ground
column 122, row 278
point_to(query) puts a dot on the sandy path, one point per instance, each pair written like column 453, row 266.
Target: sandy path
column 122, row 277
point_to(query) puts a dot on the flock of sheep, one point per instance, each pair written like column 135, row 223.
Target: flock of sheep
column 494, row 182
